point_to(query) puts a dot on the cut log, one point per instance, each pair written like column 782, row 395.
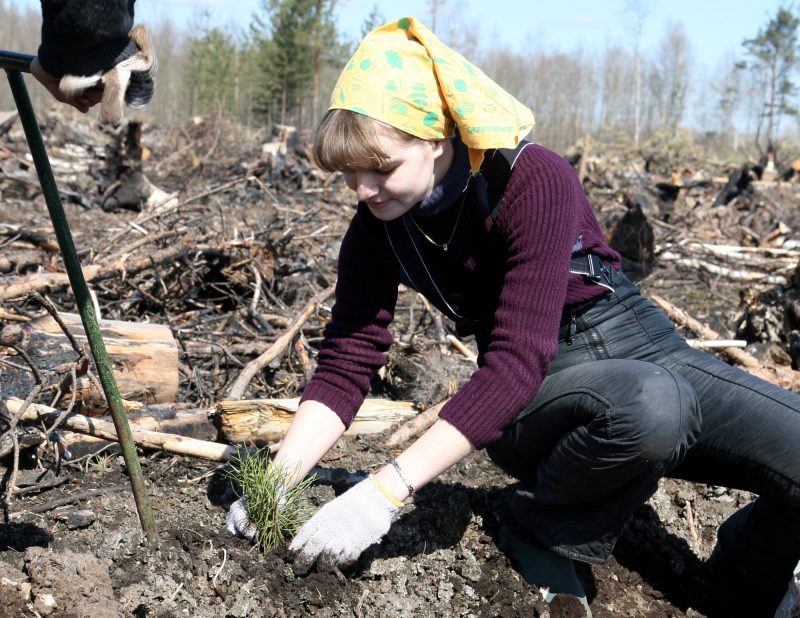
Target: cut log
column 245, row 421
column 144, row 359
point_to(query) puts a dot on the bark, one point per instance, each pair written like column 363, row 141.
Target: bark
column 144, row 360
column 268, row 419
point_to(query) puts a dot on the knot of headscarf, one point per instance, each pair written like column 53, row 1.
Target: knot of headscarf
column 403, row 75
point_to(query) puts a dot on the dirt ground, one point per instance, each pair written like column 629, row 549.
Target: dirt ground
column 442, row 557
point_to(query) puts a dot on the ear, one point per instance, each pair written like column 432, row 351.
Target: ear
column 439, row 146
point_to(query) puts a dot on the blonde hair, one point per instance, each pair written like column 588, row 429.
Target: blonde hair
column 346, row 140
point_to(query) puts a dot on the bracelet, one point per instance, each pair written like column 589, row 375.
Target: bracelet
column 402, row 476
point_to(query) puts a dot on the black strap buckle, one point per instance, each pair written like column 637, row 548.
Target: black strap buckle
column 592, row 267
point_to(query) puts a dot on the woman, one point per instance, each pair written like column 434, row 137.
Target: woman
column 584, row 391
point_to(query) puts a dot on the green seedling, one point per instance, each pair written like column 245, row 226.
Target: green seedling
column 277, row 512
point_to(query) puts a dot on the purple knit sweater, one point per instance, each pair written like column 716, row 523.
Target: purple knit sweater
column 512, row 277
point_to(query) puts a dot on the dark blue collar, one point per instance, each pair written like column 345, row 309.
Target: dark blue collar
column 447, row 192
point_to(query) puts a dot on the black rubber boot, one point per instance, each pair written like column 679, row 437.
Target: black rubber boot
column 550, row 572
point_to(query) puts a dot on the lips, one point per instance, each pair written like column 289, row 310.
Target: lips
column 377, row 204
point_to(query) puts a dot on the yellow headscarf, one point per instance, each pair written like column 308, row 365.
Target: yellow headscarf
column 403, row 75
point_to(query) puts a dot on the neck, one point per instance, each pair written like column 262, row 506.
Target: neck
column 442, row 163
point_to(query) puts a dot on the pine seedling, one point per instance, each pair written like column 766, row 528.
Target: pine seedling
column 277, row 512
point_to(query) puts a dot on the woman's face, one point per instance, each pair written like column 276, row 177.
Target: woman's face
column 414, row 168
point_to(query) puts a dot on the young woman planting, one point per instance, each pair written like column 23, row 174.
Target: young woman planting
column 584, row 391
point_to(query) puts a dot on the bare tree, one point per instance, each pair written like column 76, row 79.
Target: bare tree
column 436, row 7
column 19, row 31
column 729, row 95
column 617, row 72
column 638, row 11
column 671, row 78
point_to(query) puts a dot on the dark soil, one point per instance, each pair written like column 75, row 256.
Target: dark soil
column 442, row 557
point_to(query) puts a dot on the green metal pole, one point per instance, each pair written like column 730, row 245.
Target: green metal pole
column 82, row 297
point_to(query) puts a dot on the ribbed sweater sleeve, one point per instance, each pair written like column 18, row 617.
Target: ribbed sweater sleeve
column 84, row 37
column 357, row 336
column 540, row 220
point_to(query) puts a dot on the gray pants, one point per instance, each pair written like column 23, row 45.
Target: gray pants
column 627, row 402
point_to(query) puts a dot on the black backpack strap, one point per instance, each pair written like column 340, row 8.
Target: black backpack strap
column 496, row 171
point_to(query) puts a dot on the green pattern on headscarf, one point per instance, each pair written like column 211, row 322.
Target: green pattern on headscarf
column 412, row 81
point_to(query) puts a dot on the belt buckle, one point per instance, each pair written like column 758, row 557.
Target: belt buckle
column 601, row 272
column 596, row 267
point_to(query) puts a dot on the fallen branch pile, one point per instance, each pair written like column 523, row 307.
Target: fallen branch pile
column 226, row 240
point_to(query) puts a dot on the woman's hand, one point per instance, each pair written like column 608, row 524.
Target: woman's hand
column 238, row 521
column 82, row 101
column 343, row 528
column 361, row 516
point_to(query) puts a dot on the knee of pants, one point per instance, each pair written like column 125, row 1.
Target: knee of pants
column 665, row 416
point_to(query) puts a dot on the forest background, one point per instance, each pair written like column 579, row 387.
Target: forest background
column 280, row 68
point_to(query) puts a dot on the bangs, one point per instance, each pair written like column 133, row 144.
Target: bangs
column 348, row 140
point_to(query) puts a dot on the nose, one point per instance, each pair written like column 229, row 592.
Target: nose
column 363, row 183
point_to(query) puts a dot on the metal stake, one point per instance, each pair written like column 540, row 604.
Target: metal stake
column 14, row 63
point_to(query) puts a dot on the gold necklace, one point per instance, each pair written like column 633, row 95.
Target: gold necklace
column 443, row 246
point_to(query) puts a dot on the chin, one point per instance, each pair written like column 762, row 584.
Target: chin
column 389, row 212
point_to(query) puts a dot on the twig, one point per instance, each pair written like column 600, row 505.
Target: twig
column 690, row 521
column 222, row 566
column 357, row 610
column 458, row 345
column 682, row 318
column 723, row 271
column 192, row 198
column 414, row 427
column 277, row 348
column 256, row 289
column 91, row 272
column 784, row 377
column 157, row 440
column 41, row 486
column 12, row 317
column 49, row 506
column 123, row 252
column 10, row 485
column 441, row 337
column 716, row 343
column 299, row 345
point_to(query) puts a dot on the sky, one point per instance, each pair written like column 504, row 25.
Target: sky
column 715, row 28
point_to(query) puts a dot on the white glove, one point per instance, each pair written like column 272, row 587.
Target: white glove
column 238, row 522
column 343, row 528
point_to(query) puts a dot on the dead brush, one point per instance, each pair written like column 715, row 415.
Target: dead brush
column 276, row 512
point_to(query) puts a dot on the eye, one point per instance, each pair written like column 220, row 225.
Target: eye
column 384, row 171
